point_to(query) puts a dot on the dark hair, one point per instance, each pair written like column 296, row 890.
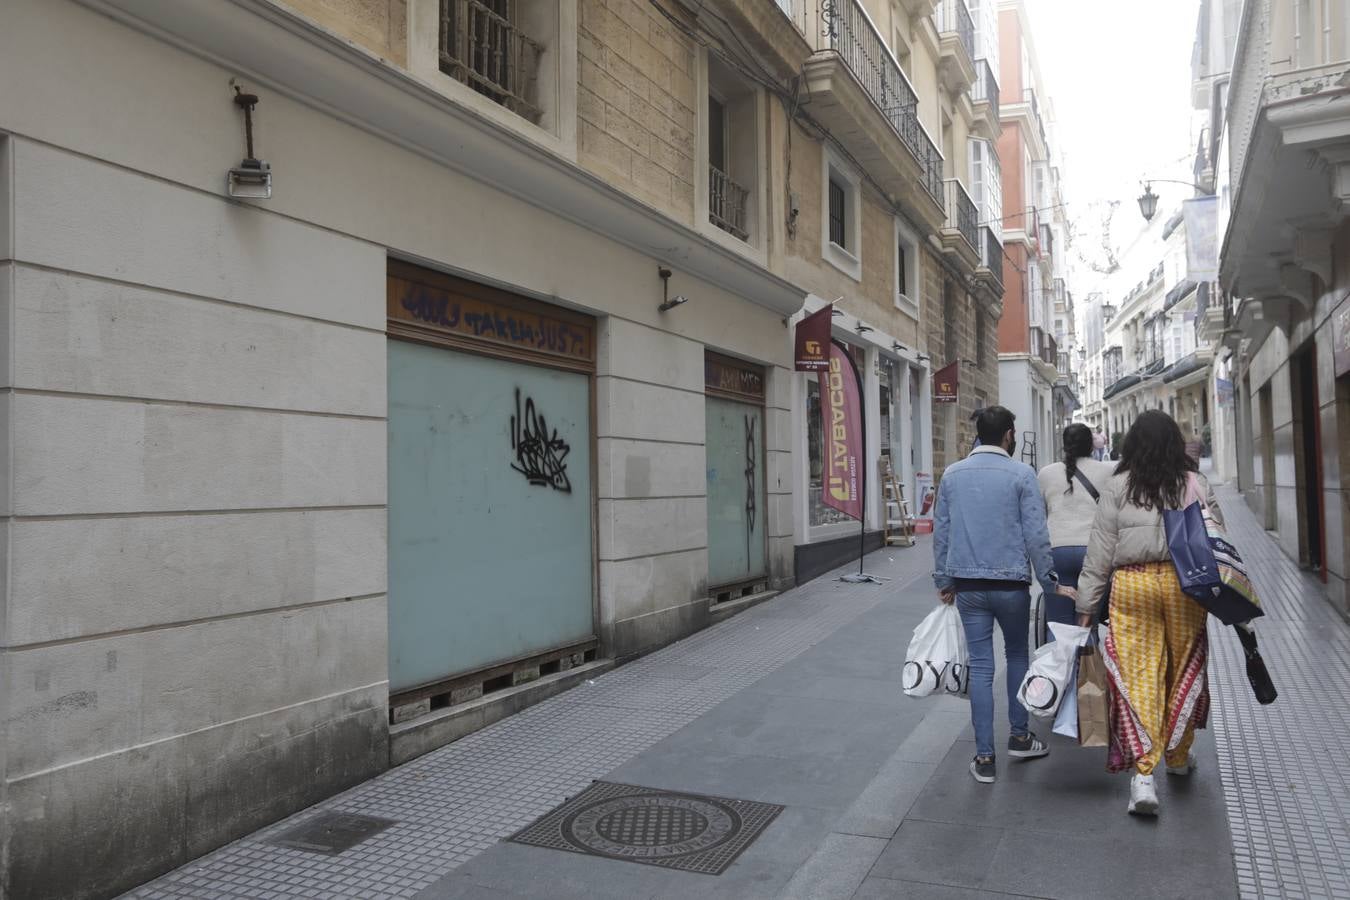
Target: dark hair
column 1153, row 455
column 992, row 423
column 1077, row 444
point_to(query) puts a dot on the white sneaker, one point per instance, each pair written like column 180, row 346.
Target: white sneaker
column 1185, row 768
column 1143, row 796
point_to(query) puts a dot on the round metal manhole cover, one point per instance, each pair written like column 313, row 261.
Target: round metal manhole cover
column 651, row 826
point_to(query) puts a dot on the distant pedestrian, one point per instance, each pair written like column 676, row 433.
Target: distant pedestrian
column 1098, row 445
column 988, row 524
column 1070, row 490
column 1157, row 632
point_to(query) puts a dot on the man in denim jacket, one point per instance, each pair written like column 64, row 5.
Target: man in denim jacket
column 988, row 530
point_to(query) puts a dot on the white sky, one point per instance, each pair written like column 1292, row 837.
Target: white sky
column 1118, row 76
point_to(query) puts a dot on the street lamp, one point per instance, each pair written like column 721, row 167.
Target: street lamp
column 1148, row 201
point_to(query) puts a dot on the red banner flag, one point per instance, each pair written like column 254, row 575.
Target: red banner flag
column 946, row 382
column 812, row 341
column 841, row 421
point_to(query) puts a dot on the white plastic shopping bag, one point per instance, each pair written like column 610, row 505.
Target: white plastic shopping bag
column 937, row 661
column 1051, row 669
column 1066, row 720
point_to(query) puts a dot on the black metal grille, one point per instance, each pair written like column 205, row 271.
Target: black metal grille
column 727, row 202
column 985, row 89
column 838, row 201
column 953, row 16
column 961, row 213
column 481, row 45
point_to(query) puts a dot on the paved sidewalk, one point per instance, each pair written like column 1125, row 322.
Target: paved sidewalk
column 1284, row 766
column 797, row 702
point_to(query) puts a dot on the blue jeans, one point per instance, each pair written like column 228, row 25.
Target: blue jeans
column 1068, row 566
column 979, row 610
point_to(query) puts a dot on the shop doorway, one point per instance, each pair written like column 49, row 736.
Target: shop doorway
column 737, row 508
column 491, row 506
column 1308, row 461
column 1267, row 440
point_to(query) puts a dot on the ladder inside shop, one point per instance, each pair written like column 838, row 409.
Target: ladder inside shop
column 899, row 524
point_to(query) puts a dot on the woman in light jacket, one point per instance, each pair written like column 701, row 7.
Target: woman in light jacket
column 1156, row 649
column 1070, row 508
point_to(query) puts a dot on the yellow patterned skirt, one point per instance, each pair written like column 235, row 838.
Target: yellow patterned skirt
column 1155, row 655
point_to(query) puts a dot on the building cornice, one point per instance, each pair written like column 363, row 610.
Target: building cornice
column 296, row 57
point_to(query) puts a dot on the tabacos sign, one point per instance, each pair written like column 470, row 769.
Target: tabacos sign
column 840, row 413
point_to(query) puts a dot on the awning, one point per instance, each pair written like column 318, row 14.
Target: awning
column 1184, row 366
column 1179, row 293
column 1120, row 384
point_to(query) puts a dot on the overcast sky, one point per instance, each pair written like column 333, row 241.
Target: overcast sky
column 1118, row 76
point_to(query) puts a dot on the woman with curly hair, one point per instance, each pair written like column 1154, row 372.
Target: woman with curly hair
column 1156, row 648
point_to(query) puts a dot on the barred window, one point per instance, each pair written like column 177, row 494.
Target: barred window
column 838, row 209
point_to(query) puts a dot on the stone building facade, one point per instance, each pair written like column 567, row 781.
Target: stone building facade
column 348, row 419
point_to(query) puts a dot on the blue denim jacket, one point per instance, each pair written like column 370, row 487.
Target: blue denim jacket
column 990, row 522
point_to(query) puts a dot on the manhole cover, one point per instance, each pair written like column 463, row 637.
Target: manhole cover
column 660, row 828
column 331, row 832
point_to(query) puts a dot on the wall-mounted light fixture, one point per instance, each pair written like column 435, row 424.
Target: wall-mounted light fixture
column 252, row 178
column 668, row 302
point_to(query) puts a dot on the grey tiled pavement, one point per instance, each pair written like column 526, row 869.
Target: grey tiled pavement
column 796, row 702
column 457, row 801
column 1284, row 766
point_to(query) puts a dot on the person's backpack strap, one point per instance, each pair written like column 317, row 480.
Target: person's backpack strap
column 1087, row 485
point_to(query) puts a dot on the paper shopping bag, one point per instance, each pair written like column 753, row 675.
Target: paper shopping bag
column 1094, row 721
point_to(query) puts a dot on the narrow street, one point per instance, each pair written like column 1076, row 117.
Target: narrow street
column 797, row 703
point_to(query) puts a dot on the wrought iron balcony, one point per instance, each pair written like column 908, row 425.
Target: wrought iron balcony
column 954, row 17
column 961, row 214
column 991, row 253
column 727, row 203
column 487, row 51
column 853, row 37
column 985, row 89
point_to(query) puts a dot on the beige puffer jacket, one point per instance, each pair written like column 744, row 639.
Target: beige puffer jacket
column 1123, row 534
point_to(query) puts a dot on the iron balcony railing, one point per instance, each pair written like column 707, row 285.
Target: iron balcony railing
column 727, row 203
column 481, row 46
column 991, row 253
column 858, row 44
column 954, row 17
column 961, row 213
column 985, row 88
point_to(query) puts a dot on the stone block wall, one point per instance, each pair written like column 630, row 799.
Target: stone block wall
column 636, row 103
column 381, row 26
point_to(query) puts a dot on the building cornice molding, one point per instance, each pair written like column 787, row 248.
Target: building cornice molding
column 296, row 57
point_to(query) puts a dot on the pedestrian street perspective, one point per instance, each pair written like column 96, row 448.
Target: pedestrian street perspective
column 497, row 448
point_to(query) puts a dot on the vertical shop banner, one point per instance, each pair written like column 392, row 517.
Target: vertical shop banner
column 841, row 424
column 946, row 383
column 1201, row 216
column 811, row 345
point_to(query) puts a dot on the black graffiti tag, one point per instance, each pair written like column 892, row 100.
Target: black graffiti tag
column 540, row 456
column 750, row 456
